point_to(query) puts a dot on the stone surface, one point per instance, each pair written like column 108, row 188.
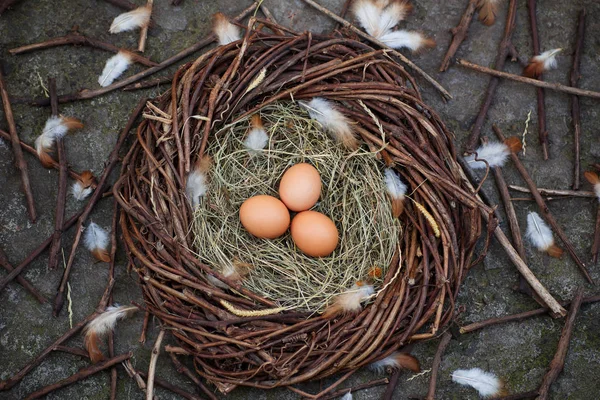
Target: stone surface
column 518, row 352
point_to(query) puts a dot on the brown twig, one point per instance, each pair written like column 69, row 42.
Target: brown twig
column 555, row 192
column 459, row 33
column 152, row 367
column 112, row 161
column 80, row 375
column 391, row 386
column 545, row 210
column 575, row 109
column 166, row 385
column 271, row 18
column 21, row 280
column 182, row 369
column 78, row 39
column 435, row 367
column 371, row 39
column 596, row 243
column 149, row 83
column 503, row 52
column 518, row 78
column 111, row 277
column 84, row 94
column 535, row 39
column 517, row 317
column 61, row 196
column 343, row 13
column 122, row 4
column 5, row 4
column 558, row 362
column 354, row 389
column 520, row 396
column 20, row 162
column 73, row 350
column 144, row 30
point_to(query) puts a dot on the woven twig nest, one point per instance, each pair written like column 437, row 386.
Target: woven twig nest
column 441, row 220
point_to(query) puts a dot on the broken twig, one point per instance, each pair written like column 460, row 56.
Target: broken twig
column 459, row 33
column 575, row 109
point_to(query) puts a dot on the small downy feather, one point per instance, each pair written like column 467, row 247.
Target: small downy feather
column 396, row 189
column 236, row 271
column 393, row 14
column 495, row 153
column 540, row 235
column 55, row 128
column 488, row 9
column 414, row 41
column 197, row 181
column 350, row 301
column 100, row 326
column 594, row 180
column 539, row 64
column 138, row 18
column 114, row 67
column 486, row 383
column 347, row 396
column 83, row 186
column 396, row 361
column 336, row 123
column 96, row 241
column 257, row 137
column 226, row 31
column 369, row 15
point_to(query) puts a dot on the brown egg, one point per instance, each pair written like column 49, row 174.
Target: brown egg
column 314, row 233
column 265, row 216
column 300, row 187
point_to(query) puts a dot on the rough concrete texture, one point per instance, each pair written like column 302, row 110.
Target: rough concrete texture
column 518, row 352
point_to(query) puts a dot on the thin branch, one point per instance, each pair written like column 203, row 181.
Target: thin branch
column 20, row 162
column 596, row 243
column 558, row 362
column 21, row 280
column 166, row 385
column 354, row 389
column 503, row 52
column 545, row 210
column 371, row 39
column 459, row 33
column 122, row 4
column 535, row 39
column 182, row 369
column 343, row 13
column 144, row 30
column 149, row 83
column 152, row 367
column 554, row 192
column 575, row 109
column 391, row 386
column 547, row 85
column 435, row 367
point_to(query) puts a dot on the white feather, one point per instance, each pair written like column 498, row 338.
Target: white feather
column 413, row 41
column 486, row 383
column 256, row 140
column 325, row 113
column 388, row 362
column 350, row 301
column 114, row 67
column 226, row 31
column 80, row 192
column 95, row 237
column 347, row 396
column 495, row 153
column 131, row 20
column 55, row 128
column 106, row 321
column 395, row 187
column 196, row 186
column 597, row 190
column 392, row 15
column 538, row 232
column 229, row 271
column 368, row 14
column 548, row 58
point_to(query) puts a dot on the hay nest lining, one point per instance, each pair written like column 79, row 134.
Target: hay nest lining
column 353, row 196
column 228, row 84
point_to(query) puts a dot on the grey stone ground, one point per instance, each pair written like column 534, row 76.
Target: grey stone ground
column 519, row 352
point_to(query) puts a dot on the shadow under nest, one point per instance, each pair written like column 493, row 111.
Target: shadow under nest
column 288, row 348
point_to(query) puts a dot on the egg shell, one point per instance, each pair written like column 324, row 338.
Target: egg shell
column 265, row 216
column 300, row 187
column 314, row 233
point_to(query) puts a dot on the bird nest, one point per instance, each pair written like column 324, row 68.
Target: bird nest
column 236, row 332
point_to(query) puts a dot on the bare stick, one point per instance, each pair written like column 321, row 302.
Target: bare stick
column 555, row 192
column 535, row 39
column 459, row 33
column 354, row 389
column 545, row 210
column 81, row 374
column 435, row 367
column 21, row 280
column 111, row 277
column 20, row 162
column 112, row 161
column 575, row 109
column 149, row 83
column 182, row 369
column 144, row 30
column 73, row 350
column 61, row 197
column 371, row 39
column 88, row 93
column 520, row 396
column 596, row 244
column 558, row 362
column 166, row 385
column 517, row 317
column 391, row 386
column 76, row 38
column 271, row 18
column 152, row 367
column 343, row 13
column 503, row 52
column 547, row 85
